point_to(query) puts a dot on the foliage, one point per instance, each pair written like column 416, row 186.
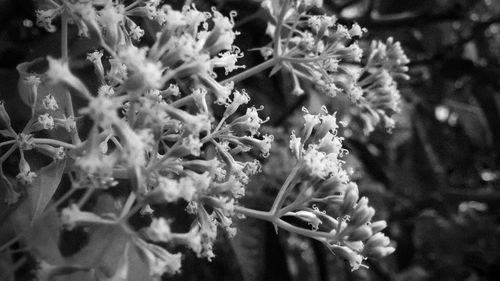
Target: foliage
column 140, row 150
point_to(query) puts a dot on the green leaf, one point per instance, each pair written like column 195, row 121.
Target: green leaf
column 41, row 235
column 109, row 250
column 7, row 133
column 43, row 187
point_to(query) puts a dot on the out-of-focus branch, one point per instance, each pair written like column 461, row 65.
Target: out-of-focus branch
column 406, row 19
column 476, row 32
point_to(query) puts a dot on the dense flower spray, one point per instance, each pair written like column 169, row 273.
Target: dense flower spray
column 153, row 125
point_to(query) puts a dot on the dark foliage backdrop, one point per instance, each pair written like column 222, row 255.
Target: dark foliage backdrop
column 435, row 178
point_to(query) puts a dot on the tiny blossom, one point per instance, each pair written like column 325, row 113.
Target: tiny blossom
column 228, row 61
column 136, row 32
column 146, row 71
column 95, row 56
column 44, row 18
column 72, row 216
column 25, row 141
column 46, row 121
column 68, row 123
column 308, row 217
column 172, row 90
column 192, row 144
column 159, row 260
column 355, row 260
column 106, row 90
column 159, row 230
column 4, row 116
column 59, row 72
column 356, row 30
column 117, row 71
column 50, row 103
column 25, row 176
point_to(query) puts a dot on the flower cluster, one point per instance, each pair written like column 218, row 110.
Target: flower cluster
column 166, row 131
column 319, row 50
column 319, row 179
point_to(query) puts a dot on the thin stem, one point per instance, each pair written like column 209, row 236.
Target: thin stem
column 75, row 138
column 252, row 71
column 283, row 189
column 7, row 142
column 268, row 216
column 54, row 143
column 64, row 36
column 85, row 197
column 277, row 31
column 10, row 243
column 8, row 153
column 128, row 205
column 261, row 215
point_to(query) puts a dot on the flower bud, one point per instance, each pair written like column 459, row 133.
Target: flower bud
column 377, row 240
column 50, row 103
column 59, row 72
column 32, row 82
column 361, row 233
column 380, row 252
column 56, row 153
column 25, row 175
column 4, row 116
column 350, row 198
column 378, row 226
column 361, row 215
column 95, row 58
column 159, row 230
column 308, row 217
column 355, row 260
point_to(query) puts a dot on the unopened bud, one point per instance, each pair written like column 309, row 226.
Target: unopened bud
column 380, row 252
column 4, row 116
column 350, row 198
column 361, row 216
column 56, row 153
column 378, row 226
column 308, row 217
column 361, row 233
column 377, row 240
column 32, row 82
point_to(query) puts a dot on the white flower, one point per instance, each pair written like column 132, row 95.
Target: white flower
column 159, row 260
column 228, row 60
column 103, row 110
column 159, row 230
column 355, row 260
column 295, row 145
column 136, row 32
column 117, row 71
column 44, row 18
column 106, row 90
column 356, row 30
column 50, row 103
column 59, row 72
column 72, row 216
column 46, row 121
column 308, row 217
column 25, row 176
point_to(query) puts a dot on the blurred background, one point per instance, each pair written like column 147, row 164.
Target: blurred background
column 435, row 178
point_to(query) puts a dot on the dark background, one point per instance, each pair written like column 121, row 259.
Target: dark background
column 443, row 154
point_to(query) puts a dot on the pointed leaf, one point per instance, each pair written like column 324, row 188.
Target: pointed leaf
column 44, row 186
column 7, row 133
column 41, row 235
